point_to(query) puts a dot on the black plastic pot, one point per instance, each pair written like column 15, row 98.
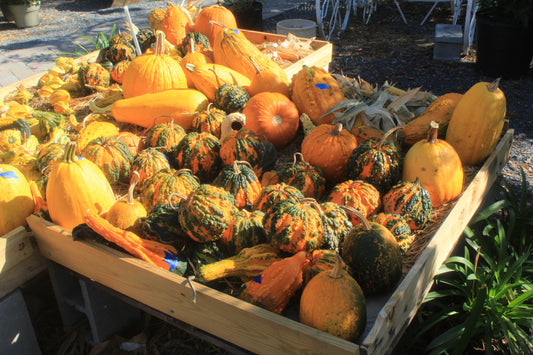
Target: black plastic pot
column 503, row 50
column 249, row 18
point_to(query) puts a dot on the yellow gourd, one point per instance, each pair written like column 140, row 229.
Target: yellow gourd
column 16, row 201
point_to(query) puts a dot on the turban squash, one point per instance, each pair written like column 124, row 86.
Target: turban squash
column 356, row 194
column 165, row 135
column 304, row 176
column 240, row 180
column 167, row 185
column 147, row 162
column 272, row 194
column 245, row 231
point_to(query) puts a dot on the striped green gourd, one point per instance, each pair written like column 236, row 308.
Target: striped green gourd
column 337, row 225
column 272, row 194
column 240, row 180
column 165, row 135
column 397, row 225
column 147, row 162
column 306, row 177
column 167, row 182
column 245, row 230
column 231, row 98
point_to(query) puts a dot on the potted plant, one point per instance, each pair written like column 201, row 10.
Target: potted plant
column 504, row 37
column 248, row 13
column 25, row 12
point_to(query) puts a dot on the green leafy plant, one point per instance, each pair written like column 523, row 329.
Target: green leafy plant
column 485, row 297
column 100, row 42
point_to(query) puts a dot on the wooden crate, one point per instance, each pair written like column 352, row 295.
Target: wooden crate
column 254, row 328
column 20, row 260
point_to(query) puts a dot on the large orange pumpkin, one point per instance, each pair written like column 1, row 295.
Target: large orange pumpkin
column 273, row 115
column 151, row 73
column 329, row 147
column 215, row 13
column 176, row 24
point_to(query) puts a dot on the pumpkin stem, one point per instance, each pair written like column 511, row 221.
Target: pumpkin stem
column 171, row 196
column 295, row 157
column 236, row 165
column 159, row 43
column 70, row 153
column 134, row 180
column 359, row 216
column 387, row 135
column 336, row 131
column 336, row 271
column 313, row 203
column 217, row 23
column 493, row 87
column 433, row 132
column 192, row 43
column 256, row 66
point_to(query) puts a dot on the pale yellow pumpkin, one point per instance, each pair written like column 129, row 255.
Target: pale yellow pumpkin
column 16, row 201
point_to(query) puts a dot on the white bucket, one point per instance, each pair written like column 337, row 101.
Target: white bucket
column 298, row 27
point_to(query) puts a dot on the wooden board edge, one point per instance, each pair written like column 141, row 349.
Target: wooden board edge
column 222, row 315
column 15, row 246
column 406, row 299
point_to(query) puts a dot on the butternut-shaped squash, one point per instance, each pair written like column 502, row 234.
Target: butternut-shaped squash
column 477, row 122
column 208, row 77
column 178, row 105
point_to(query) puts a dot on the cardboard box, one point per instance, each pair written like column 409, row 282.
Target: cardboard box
column 257, row 329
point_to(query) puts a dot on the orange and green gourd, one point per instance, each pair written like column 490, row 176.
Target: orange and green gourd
column 398, row 226
column 243, row 145
column 117, row 73
column 16, row 199
column 358, row 195
column 195, row 42
column 74, row 186
column 376, row 161
column 134, row 142
column 209, row 121
column 272, row 194
column 42, row 123
column 295, row 226
column 199, row 152
column 175, row 24
column 93, row 75
column 161, row 224
column 277, row 284
column 322, row 260
column 240, row 180
column 245, row 230
column 112, row 156
column 207, row 213
column 411, row 201
column 145, row 38
column 364, row 132
column 165, row 135
column 121, row 38
column 48, row 155
column 168, row 185
column 337, row 225
column 147, row 162
column 231, row 98
column 248, row 263
column 346, row 316
column 304, row 176
column 373, row 255
column 120, row 52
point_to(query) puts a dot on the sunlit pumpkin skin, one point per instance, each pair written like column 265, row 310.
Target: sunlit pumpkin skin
column 314, row 91
column 304, row 176
column 438, row 166
column 440, row 111
column 397, row 225
column 132, row 141
column 209, row 77
column 127, row 213
column 329, row 147
column 337, row 225
column 74, row 186
column 165, row 135
column 267, row 80
column 273, row 115
column 374, row 257
column 216, row 13
column 272, row 194
column 147, row 162
column 275, row 286
column 376, row 161
column 48, row 155
column 245, row 145
column 295, row 226
column 151, row 73
column 477, row 122
column 346, row 316
column 193, row 58
column 117, row 74
column 209, row 121
column 199, row 152
column 16, row 199
column 111, row 155
column 241, row 181
column 411, row 201
column 207, row 212
column 166, row 182
column 245, row 231
column 93, row 130
column 356, row 194
column 232, row 49
column 175, row 25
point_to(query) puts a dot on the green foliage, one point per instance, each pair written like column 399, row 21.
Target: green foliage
column 485, row 297
column 100, row 42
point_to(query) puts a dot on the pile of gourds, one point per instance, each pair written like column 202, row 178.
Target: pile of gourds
column 194, row 126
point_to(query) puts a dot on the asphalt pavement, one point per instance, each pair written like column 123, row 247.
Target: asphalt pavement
column 34, row 50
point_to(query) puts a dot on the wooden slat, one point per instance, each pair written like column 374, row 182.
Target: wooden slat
column 227, row 317
column 405, row 301
column 19, row 260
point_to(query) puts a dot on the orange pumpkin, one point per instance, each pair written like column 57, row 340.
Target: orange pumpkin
column 214, row 13
column 438, row 166
column 193, row 58
column 329, row 147
column 267, row 80
column 151, row 73
column 176, row 24
column 273, row 115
